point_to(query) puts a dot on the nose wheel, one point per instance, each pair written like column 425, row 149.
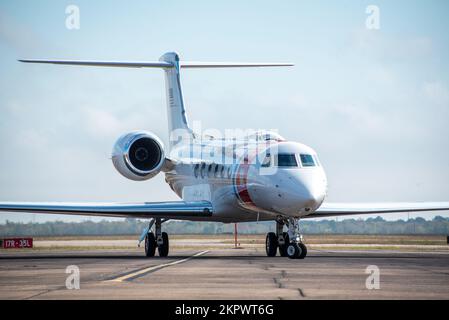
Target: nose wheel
column 290, row 244
column 296, row 251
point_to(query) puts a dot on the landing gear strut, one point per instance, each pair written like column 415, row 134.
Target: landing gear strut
column 157, row 239
column 283, row 238
column 290, row 243
column 296, row 249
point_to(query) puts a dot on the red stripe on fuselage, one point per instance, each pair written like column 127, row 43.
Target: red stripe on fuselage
column 241, row 183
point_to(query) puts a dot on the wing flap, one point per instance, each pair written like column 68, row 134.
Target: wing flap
column 341, row 209
column 171, row 210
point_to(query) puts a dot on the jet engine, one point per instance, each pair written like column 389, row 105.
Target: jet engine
column 138, row 155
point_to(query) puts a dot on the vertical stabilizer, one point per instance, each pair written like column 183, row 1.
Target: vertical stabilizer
column 177, row 120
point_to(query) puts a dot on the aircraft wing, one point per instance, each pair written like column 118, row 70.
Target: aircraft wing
column 172, row 210
column 342, row 209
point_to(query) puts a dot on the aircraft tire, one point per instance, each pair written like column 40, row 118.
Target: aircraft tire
column 164, row 247
column 271, row 244
column 303, row 251
column 283, row 248
column 294, row 251
column 150, row 245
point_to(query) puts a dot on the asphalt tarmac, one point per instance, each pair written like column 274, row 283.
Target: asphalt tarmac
column 224, row 274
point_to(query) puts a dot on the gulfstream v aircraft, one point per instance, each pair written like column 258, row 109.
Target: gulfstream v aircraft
column 259, row 176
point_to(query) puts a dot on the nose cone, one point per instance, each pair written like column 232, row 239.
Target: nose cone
column 301, row 193
column 310, row 194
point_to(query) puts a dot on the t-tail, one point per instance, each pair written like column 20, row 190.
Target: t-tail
column 177, row 120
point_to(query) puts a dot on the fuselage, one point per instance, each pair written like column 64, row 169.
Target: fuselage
column 257, row 178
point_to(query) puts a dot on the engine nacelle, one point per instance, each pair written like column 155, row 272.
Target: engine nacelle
column 138, row 155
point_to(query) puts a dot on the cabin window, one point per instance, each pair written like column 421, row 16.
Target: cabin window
column 203, row 169
column 217, row 167
column 195, row 171
column 209, row 171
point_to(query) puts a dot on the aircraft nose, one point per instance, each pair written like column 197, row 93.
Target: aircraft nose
column 304, row 193
column 311, row 195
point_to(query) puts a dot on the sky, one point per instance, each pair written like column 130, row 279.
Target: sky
column 374, row 103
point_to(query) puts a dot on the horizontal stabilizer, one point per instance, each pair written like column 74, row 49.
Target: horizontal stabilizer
column 120, row 64
column 158, row 64
column 192, row 64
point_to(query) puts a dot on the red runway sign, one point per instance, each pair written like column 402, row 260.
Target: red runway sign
column 17, row 243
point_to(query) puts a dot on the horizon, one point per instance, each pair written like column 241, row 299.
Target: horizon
column 329, row 219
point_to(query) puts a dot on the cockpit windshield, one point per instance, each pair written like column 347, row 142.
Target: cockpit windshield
column 286, row 160
column 307, row 160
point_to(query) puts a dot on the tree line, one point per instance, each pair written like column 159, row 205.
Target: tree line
column 438, row 226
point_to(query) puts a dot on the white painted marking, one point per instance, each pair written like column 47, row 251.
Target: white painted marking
column 153, row 268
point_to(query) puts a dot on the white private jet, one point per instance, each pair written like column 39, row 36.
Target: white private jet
column 260, row 177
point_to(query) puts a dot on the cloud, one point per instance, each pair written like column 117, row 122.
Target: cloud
column 17, row 35
column 377, row 44
column 100, row 123
column 361, row 117
column 32, row 139
column 436, row 92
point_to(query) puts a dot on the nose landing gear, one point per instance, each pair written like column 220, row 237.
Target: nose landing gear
column 296, row 249
column 290, row 243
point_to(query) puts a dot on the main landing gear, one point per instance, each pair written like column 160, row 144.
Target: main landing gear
column 290, row 243
column 158, row 240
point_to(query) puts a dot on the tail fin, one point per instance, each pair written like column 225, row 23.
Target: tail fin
column 176, row 113
column 177, row 120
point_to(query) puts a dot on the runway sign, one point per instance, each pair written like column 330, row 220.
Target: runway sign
column 17, row 243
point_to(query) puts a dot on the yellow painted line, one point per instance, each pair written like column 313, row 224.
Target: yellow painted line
column 153, row 268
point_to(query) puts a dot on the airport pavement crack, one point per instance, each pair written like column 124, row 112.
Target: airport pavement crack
column 44, row 292
column 301, row 293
